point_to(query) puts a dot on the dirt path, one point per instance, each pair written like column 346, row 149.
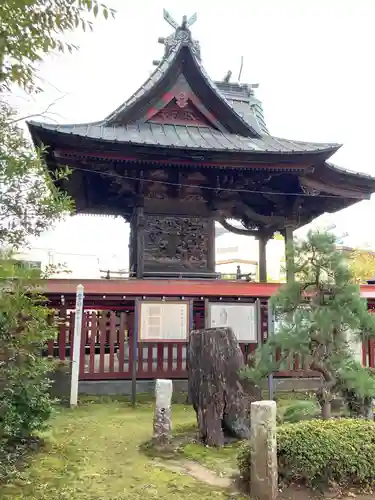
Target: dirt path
column 198, row 471
column 211, row 478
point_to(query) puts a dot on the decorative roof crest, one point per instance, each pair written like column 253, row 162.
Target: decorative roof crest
column 181, row 34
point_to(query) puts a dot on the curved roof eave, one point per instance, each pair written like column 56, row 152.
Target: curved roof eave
column 348, row 172
column 193, row 139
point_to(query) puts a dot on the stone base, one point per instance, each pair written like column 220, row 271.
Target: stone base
column 124, row 387
column 162, row 426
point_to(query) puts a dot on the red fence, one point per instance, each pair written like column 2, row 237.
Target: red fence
column 108, row 325
column 107, row 345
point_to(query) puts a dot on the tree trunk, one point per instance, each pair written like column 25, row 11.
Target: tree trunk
column 325, row 394
column 326, row 410
column 218, row 395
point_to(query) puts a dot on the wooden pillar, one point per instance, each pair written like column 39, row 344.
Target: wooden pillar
column 289, row 253
column 262, row 262
column 140, row 238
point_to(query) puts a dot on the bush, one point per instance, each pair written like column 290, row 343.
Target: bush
column 244, row 461
column 318, row 453
column 25, row 403
column 301, row 410
column 25, row 327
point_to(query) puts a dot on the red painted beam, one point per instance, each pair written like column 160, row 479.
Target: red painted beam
column 167, row 287
column 172, row 288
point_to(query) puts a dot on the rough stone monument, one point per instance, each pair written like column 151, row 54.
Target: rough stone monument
column 264, row 471
column 163, row 412
column 216, row 390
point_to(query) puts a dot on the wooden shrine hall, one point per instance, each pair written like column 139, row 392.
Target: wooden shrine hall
column 182, row 153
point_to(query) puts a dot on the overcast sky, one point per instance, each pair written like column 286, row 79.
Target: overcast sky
column 313, row 60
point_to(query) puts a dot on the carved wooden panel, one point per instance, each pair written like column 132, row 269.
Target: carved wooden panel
column 180, row 113
column 178, row 243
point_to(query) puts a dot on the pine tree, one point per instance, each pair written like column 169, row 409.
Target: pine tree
column 317, row 314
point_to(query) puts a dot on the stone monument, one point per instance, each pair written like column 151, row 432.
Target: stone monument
column 264, row 470
column 163, row 412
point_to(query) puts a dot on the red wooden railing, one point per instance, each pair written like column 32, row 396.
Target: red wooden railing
column 108, row 327
column 107, row 346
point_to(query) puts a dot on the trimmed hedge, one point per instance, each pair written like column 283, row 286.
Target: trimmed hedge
column 319, row 452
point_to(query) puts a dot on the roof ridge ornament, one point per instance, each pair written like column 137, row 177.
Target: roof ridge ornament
column 181, row 34
column 186, row 23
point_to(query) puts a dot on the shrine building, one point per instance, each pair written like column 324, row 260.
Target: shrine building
column 181, row 153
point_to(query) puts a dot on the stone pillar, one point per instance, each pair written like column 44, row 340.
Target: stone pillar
column 163, row 412
column 262, row 241
column 289, row 254
column 264, row 471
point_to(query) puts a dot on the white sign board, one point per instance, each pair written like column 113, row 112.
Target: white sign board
column 240, row 317
column 164, row 321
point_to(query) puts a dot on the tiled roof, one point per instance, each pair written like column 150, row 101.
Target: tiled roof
column 181, row 136
column 241, row 98
column 347, row 171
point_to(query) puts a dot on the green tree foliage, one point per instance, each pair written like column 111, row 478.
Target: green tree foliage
column 29, row 203
column 25, row 327
column 30, row 29
column 29, row 199
column 301, row 410
column 316, row 314
column 362, row 265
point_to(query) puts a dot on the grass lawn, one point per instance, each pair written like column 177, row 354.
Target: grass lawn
column 93, row 452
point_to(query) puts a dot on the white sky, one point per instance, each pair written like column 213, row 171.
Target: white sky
column 313, row 60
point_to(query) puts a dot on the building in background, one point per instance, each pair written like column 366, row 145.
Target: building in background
column 70, row 265
column 231, row 251
column 234, row 250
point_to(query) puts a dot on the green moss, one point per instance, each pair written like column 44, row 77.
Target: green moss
column 94, row 452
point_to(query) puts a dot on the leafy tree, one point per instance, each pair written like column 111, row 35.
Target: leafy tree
column 29, row 199
column 278, row 236
column 30, row 29
column 362, row 265
column 29, row 203
column 317, row 315
column 25, row 327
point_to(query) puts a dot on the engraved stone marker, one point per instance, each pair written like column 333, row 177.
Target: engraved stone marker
column 163, row 411
column 264, row 472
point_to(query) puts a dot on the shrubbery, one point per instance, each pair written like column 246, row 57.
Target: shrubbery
column 318, row 453
column 25, row 327
column 301, row 410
